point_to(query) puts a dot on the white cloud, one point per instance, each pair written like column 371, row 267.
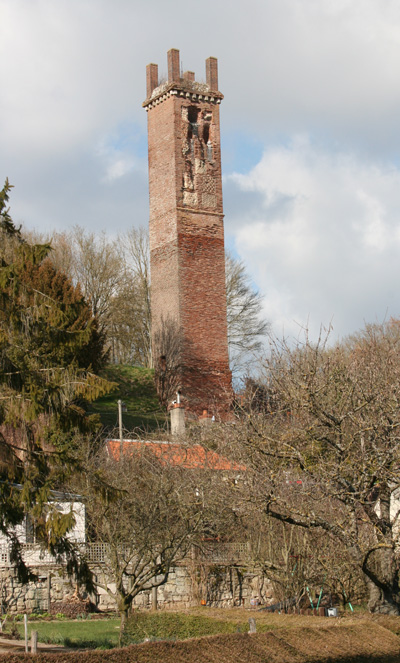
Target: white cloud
column 316, row 218
column 115, row 162
column 321, row 64
column 325, row 238
column 118, row 169
column 70, row 69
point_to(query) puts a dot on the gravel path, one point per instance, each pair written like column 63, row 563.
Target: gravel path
column 18, row 646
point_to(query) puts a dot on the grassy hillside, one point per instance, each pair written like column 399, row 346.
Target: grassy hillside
column 136, row 389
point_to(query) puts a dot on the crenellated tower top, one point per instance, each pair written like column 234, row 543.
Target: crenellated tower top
column 183, row 85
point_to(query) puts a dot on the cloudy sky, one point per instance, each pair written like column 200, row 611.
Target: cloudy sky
column 310, row 135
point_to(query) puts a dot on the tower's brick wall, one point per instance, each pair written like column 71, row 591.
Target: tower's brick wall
column 163, row 213
column 186, row 229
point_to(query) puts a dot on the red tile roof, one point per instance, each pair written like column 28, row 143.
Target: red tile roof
column 193, row 457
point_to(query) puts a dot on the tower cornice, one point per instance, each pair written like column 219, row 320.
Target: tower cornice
column 188, row 89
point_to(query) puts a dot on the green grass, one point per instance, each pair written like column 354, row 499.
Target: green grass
column 135, row 387
column 180, row 626
column 193, row 623
column 198, row 622
column 104, row 633
column 172, row 626
column 100, row 633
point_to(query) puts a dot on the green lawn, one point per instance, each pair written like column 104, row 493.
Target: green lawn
column 177, row 626
column 163, row 625
column 136, row 389
column 99, row 633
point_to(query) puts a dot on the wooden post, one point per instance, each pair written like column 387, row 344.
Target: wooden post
column 26, row 632
column 49, row 592
column 34, row 641
column 233, row 587
column 121, row 437
column 154, row 598
column 252, row 625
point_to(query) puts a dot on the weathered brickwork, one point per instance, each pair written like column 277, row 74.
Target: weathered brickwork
column 186, row 229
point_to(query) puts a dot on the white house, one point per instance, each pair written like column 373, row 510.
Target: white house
column 32, row 552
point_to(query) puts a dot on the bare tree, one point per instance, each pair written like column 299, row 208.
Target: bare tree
column 94, row 262
column 98, row 268
column 62, row 252
column 301, row 563
column 132, row 311
column 152, row 513
column 167, row 347
column 114, row 276
column 246, row 327
column 327, row 458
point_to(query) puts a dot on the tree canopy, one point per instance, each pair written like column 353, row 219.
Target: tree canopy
column 325, row 454
column 247, row 328
column 49, row 348
column 152, row 514
column 115, row 280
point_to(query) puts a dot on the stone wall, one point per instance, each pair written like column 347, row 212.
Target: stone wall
column 186, row 587
column 17, row 597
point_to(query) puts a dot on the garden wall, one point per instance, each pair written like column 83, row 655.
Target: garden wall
column 187, row 586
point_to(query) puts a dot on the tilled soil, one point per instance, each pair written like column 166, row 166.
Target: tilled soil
column 355, row 642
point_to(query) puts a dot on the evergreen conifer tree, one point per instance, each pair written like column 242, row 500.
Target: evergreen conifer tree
column 49, row 349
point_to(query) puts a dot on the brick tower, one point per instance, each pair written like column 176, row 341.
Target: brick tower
column 187, row 256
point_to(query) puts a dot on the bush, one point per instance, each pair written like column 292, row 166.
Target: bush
column 172, row 626
column 37, row 616
column 12, row 630
column 72, row 609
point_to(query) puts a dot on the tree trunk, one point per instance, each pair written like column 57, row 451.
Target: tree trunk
column 123, row 608
column 383, row 583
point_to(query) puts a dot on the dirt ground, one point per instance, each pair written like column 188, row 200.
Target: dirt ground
column 18, row 647
column 315, row 641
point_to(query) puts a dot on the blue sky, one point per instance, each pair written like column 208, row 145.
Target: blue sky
column 310, row 135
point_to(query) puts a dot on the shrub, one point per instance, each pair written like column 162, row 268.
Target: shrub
column 72, row 609
column 172, row 626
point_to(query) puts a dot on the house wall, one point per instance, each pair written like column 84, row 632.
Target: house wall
column 25, row 533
